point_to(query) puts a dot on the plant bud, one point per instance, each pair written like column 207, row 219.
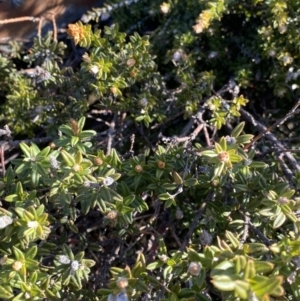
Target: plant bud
column 205, row 238
column 194, row 268
column 138, row 168
column 131, row 62
column 75, row 265
column 75, row 127
column 94, row 69
column 114, row 90
column 223, row 157
column 17, row 265
column 76, row 167
column 108, row 181
column 283, row 200
column 32, row 224
column 122, row 282
column 52, row 145
column 163, row 258
column 112, row 214
column 143, row 102
column 132, row 73
column 161, row 164
column 165, row 8
column 98, row 161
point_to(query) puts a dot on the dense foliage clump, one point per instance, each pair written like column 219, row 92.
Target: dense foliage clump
column 160, row 156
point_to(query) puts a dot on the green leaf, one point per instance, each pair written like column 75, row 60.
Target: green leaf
column 5, row 293
column 223, row 283
column 12, row 198
column 243, row 139
column 279, row 220
column 87, row 134
column 74, row 140
column 252, row 248
column 209, row 153
column 31, row 252
column 44, row 152
column 101, row 204
column 167, row 271
column 78, row 158
column 223, row 143
column 233, row 239
column 218, row 148
column 25, row 149
column 81, row 123
column 263, row 266
column 250, row 271
column 238, row 129
column 34, row 178
column 190, row 182
column 258, row 164
column 170, row 203
column 218, row 170
column 226, row 266
column 19, row 189
column 164, row 196
column 263, row 285
column 69, row 160
column 287, row 211
column 66, row 129
column 194, row 256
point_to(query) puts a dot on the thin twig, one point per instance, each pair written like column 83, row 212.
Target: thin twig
column 111, row 134
column 54, row 28
column 2, row 160
column 39, row 31
column 195, row 221
column 189, row 125
column 20, row 19
column 141, row 130
column 247, row 116
column 9, row 145
column 276, row 124
column 172, row 229
column 246, row 229
column 263, row 238
column 288, row 173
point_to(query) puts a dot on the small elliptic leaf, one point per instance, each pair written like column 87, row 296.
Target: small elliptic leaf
column 209, row 153
column 190, row 182
column 87, row 134
column 25, row 149
column 238, row 129
column 243, row 139
column 233, row 239
column 164, row 196
column 251, row 248
column 219, row 148
column 258, row 164
column 242, row 288
column 81, row 123
column 65, row 129
column 265, row 285
column 279, row 220
column 263, row 266
column 74, row 140
column 250, row 271
column 223, row 283
column 69, row 160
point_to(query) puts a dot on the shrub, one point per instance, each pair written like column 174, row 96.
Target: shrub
column 171, row 198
